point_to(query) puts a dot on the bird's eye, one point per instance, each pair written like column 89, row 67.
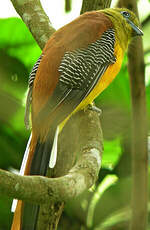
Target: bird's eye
column 125, row 14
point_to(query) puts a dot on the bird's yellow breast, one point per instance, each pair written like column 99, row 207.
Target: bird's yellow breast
column 105, row 79
column 103, row 82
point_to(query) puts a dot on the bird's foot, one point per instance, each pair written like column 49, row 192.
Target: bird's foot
column 94, row 108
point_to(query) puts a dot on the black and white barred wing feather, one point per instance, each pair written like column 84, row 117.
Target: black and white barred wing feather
column 29, row 95
column 33, row 72
column 80, row 70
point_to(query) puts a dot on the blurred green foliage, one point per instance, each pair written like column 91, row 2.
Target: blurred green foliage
column 110, row 210
column 18, row 53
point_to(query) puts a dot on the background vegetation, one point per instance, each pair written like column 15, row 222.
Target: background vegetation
column 106, row 206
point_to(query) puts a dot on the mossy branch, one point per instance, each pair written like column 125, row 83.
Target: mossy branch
column 33, row 15
column 38, row 189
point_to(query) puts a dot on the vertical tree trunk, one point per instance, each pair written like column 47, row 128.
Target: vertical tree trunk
column 139, row 130
column 89, row 5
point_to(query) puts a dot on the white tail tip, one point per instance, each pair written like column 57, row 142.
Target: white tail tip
column 53, row 156
column 14, row 205
column 22, row 169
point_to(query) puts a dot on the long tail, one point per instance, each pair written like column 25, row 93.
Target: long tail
column 35, row 162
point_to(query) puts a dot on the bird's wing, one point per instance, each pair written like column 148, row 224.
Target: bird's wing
column 34, row 70
column 80, row 70
column 29, row 95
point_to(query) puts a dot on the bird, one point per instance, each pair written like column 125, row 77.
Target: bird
column 77, row 63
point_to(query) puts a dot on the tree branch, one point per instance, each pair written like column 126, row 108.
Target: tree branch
column 146, row 21
column 89, row 5
column 40, row 190
column 35, row 18
column 68, row 4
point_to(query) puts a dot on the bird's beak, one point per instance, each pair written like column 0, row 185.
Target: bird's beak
column 136, row 30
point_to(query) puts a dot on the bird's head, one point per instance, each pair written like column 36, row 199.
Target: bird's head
column 126, row 24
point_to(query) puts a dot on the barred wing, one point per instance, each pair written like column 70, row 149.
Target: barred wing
column 80, row 70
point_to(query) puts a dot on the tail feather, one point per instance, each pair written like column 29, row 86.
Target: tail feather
column 53, row 156
column 22, row 170
column 29, row 216
column 25, row 157
column 16, row 225
column 35, row 162
column 42, row 155
column 39, row 166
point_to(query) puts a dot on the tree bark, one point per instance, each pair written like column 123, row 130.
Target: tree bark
column 139, row 129
column 33, row 15
column 89, row 5
column 42, row 190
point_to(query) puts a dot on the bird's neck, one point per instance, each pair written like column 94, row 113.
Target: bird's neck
column 121, row 34
column 121, row 37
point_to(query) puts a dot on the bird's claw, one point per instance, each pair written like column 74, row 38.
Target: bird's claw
column 94, row 108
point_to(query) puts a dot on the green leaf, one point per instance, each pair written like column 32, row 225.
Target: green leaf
column 5, row 216
column 112, row 153
column 17, row 41
column 114, row 199
column 113, row 206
